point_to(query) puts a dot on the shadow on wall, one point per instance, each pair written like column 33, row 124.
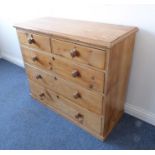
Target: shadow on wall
column 9, row 42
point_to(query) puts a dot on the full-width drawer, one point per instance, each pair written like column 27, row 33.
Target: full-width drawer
column 63, row 105
column 81, row 96
column 33, row 40
column 80, row 74
column 37, row 59
column 82, row 54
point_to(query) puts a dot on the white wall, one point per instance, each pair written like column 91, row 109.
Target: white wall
column 9, row 45
column 0, row 41
column 141, row 92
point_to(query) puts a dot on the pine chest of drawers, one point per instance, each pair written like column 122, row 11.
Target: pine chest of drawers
column 79, row 69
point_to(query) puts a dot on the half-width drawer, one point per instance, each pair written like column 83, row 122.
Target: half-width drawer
column 81, row 96
column 78, row 114
column 37, row 59
column 80, row 74
column 82, row 54
column 32, row 40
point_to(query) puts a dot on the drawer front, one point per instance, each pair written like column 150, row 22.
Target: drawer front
column 79, row 95
column 32, row 40
column 76, row 113
column 82, row 75
column 37, row 59
column 81, row 54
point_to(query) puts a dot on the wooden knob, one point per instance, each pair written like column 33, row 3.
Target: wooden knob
column 76, row 95
column 79, row 117
column 42, row 95
column 75, row 73
column 34, row 59
column 30, row 39
column 74, row 53
column 39, row 77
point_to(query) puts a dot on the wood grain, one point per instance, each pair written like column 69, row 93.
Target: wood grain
column 53, row 99
column 40, row 42
column 117, row 80
column 87, row 99
column 79, row 69
column 101, row 34
column 88, row 78
column 86, row 55
column 42, row 61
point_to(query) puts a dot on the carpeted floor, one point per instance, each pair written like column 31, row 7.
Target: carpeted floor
column 26, row 124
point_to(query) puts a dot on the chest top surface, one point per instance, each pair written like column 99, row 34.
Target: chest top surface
column 85, row 31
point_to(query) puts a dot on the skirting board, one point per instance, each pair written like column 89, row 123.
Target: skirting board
column 140, row 113
column 130, row 109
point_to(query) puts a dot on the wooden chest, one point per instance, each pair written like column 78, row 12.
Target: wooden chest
column 79, row 69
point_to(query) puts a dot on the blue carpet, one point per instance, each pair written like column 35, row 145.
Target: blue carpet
column 26, row 124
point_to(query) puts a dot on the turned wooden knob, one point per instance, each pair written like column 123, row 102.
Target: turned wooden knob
column 34, row 59
column 30, row 40
column 74, row 53
column 42, row 95
column 76, row 95
column 79, row 117
column 39, row 77
column 75, row 73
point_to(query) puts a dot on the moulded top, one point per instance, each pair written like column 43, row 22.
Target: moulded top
column 100, row 34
